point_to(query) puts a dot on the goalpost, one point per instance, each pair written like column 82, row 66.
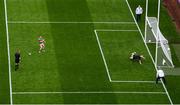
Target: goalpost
column 154, row 37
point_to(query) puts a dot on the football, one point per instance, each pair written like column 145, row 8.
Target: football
column 29, row 53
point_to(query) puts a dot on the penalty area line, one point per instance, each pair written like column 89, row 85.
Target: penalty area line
column 93, row 92
column 68, row 22
column 8, row 50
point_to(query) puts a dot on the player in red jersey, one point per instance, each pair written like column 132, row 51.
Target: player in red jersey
column 41, row 41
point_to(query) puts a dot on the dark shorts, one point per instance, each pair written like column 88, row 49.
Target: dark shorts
column 136, row 57
column 17, row 60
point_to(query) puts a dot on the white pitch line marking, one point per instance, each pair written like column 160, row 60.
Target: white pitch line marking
column 133, row 81
column 94, row 92
column 58, row 22
column 110, row 30
column 102, row 54
column 8, row 50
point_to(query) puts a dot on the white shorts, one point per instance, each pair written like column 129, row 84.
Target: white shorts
column 42, row 45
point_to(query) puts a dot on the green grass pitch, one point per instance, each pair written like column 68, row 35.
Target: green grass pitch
column 88, row 44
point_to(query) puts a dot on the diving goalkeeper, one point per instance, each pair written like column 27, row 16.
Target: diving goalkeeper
column 136, row 57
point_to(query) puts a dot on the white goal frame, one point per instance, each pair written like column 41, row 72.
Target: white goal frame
column 158, row 36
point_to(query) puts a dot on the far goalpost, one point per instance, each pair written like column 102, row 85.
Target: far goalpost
column 154, row 37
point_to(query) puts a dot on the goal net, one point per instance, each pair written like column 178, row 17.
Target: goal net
column 154, row 36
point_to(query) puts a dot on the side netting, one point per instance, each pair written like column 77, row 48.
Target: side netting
column 155, row 37
column 151, row 30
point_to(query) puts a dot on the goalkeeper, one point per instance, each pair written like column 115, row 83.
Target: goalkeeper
column 136, row 57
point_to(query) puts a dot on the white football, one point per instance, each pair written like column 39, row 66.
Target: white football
column 29, row 53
